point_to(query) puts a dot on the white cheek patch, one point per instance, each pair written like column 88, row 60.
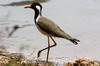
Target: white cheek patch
column 38, row 7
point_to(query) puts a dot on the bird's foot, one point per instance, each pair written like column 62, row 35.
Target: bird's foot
column 38, row 54
column 37, row 60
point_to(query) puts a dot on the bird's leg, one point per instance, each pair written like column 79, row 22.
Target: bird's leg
column 47, row 47
column 54, row 42
column 50, row 47
column 39, row 52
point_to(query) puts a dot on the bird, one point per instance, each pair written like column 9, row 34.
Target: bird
column 48, row 28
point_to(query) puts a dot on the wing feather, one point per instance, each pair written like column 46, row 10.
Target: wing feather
column 51, row 28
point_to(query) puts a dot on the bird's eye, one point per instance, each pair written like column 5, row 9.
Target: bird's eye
column 33, row 4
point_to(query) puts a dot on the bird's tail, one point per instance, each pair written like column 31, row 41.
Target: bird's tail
column 75, row 41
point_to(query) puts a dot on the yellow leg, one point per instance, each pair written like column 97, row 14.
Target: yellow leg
column 47, row 48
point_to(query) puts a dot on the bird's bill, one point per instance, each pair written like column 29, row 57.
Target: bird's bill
column 28, row 7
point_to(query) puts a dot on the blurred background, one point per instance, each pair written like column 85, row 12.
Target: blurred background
column 79, row 18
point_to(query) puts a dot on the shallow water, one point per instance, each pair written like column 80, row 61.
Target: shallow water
column 78, row 18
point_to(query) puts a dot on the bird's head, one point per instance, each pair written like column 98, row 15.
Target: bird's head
column 35, row 6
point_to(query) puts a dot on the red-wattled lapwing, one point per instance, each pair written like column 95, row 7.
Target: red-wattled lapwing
column 48, row 28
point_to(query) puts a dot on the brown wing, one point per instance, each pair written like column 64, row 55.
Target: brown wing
column 51, row 28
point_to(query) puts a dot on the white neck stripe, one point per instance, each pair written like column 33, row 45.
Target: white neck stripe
column 38, row 17
column 38, row 8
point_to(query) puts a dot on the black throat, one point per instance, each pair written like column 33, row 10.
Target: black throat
column 37, row 13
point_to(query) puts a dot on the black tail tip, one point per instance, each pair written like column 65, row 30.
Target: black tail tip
column 75, row 41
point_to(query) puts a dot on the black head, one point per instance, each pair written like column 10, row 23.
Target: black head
column 35, row 6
